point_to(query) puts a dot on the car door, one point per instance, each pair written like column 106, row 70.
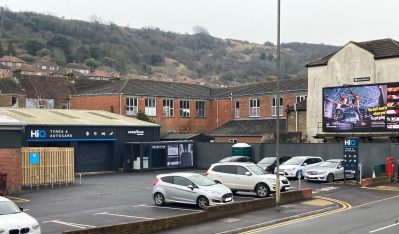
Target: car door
column 182, row 192
column 339, row 171
column 228, row 176
column 243, row 181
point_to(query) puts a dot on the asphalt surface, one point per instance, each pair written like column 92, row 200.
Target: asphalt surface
column 126, row 197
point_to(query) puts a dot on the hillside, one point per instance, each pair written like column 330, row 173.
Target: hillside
column 150, row 51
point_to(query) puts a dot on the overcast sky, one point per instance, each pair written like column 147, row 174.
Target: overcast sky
column 315, row 21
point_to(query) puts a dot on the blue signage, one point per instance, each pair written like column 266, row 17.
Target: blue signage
column 34, row 158
column 351, row 156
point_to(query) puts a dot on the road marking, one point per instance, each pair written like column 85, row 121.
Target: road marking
column 345, row 206
column 369, row 203
column 380, row 229
column 17, row 199
column 139, row 205
column 167, row 207
column 230, row 220
column 77, row 225
column 126, row 216
column 383, row 188
column 326, row 189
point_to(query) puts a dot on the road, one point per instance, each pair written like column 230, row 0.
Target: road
column 378, row 217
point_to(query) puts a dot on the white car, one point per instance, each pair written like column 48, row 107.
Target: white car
column 14, row 220
column 296, row 166
column 329, row 171
column 246, row 177
column 189, row 188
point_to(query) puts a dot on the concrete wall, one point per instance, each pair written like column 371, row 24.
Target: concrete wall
column 348, row 63
column 371, row 153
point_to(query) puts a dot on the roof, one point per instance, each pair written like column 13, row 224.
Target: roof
column 250, row 127
column 184, row 174
column 11, row 59
column 29, row 68
column 45, row 63
column 9, row 86
column 380, row 49
column 77, row 66
column 300, row 106
column 262, row 88
column 173, row 136
column 150, row 88
column 71, row 117
column 100, row 73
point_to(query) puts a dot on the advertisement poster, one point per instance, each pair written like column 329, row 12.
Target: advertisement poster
column 186, row 155
column 173, row 155
column 361, row 108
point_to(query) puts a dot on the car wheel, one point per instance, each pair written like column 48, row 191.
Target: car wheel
column 202, row 202
column 330, row 178
column 159, row 199
column 262, row 190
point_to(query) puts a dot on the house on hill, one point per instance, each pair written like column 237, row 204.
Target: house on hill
column 12, row 61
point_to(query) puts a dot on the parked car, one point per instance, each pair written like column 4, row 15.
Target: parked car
column 246, row 177
column 296, row 166
column 189, row 188
column 269, row 163
column 14, row 220
column 237, row 159
column 329, row 171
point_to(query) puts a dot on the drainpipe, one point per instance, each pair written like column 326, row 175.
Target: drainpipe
column 120, row 103
column 231, row 105
column 217, row 113
column 296, row 118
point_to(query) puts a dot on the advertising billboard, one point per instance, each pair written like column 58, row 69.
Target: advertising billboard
column 361, row 108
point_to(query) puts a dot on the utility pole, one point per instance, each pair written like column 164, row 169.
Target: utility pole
column 278, row 185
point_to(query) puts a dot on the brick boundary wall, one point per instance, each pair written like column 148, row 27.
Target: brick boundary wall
column 10, row 163
column 374, row 181
column 212, row 212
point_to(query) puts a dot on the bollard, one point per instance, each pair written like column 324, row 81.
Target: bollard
column 299, row 179
column 360, row 173
column 80, row 178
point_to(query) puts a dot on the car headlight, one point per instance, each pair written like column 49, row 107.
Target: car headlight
column 35, row 226
column 322, row 172
column 291, row 169
column 213, row 192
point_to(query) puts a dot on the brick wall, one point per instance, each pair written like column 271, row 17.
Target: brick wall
column 6, row 100
column 109, row 103
column 10, row 163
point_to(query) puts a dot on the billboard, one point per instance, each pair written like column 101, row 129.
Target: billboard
column 361, row 108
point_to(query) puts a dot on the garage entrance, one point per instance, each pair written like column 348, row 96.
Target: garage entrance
column 94, row 156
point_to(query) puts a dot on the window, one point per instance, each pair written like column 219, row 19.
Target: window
column 218, row 169
column 254, row 108
column 42, row 103
column 241, row 170
column 233, row 140
column 200, row 107
column 184, row 108
column 168, row 108
column 168, row 179
column 300, row 98
column 178, row 180
column 237, row 110
column 274, row 107
column 14, row 101
column 230, row 169
column 150, row 108
column 131, row 106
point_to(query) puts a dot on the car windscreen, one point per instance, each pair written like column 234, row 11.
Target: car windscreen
column 257, row 170
column 228, row 159
column 7, row 207
column 328, row 164
column 294, row 161
column 268, row 160
column 201, row 180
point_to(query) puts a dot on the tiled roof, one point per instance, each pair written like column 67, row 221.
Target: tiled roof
column 250, row 127
column 262, row 88
column 151, row 88
column 381, row 49
column 8, row 86
column 100, row 73
column 11, row 59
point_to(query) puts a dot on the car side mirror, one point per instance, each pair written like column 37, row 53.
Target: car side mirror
column 190, row 187
column 248, row 173
column 304, row 164
column 20, row 208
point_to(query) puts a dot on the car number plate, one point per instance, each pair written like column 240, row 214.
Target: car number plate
column 228, row 199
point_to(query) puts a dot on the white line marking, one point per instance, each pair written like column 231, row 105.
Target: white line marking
column 384, row 228
column 77, row 225
column 173, row 208
column 119, row 215
column 139, row 205
column 17, row 199
column 26, row 209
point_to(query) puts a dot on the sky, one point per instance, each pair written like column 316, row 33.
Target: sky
column 334, row 22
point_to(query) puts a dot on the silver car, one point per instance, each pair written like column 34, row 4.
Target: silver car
column 329, row 171
column 189, row 188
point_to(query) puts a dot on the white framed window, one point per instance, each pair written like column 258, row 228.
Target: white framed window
column 150, row 108
column 167, row 107
column 274, row 107
column 233, row 140
column 254, row 108
column 14, row 101
column 184, row 108
column 131, row 106
column 301, row 98
column 200, row 107
column 237, row 110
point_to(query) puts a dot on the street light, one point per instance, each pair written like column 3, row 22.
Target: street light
column 278, row 109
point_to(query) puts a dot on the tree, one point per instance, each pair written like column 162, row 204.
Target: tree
column 62, row 42
column 1, row 50
column 10, row 49
column 82, row 53
column 142, row 116
column 200, row 30
column 155, row 59
column 33, row 46
column 92, row 63
column 96, row 51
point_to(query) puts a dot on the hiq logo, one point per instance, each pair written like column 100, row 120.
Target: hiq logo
column 38, row 134
column 350, row 142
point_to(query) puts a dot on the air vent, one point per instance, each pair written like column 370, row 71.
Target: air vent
column 21, row 113
column 101, row 115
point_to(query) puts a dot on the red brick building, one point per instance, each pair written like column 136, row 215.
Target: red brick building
column 189, row 108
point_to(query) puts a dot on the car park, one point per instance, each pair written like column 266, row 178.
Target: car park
column 189, row 188
column 14, row 220
column 329, row 171
column 237, row 159
column 246, row 177
column 269, row 163
column 296, row 166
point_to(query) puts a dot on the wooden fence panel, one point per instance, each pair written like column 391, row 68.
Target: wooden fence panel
column 56, row 165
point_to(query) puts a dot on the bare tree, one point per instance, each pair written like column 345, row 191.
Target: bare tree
column 200, row 30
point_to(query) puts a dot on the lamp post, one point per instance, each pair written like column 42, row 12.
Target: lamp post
column 278, row 185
